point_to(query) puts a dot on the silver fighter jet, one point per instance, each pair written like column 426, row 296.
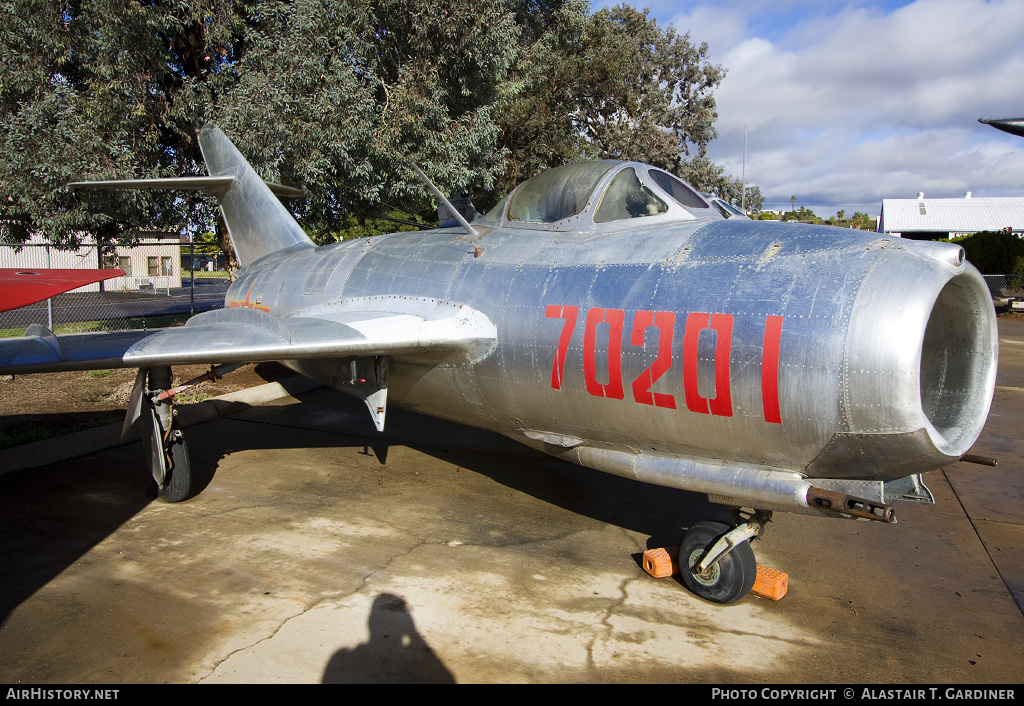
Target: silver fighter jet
column 607, row 314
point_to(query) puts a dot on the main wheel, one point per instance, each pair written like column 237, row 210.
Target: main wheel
column 178, row 477
column 167, row 458
column 728, row 580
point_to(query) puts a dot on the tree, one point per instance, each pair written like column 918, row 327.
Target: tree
column 335, row 96
column 992, row 252
column 862, row 221
column 536, row 116
column 102, row 88
column 802, row 215
column 644, row 93
column 613, row 85
column 711, row 178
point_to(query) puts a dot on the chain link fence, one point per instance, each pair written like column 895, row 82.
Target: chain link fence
column 156, row 291
column 1001, row 286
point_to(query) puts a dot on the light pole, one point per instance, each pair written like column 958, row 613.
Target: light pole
column 743, row 198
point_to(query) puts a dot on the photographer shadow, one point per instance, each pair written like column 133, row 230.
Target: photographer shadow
column 395, row 653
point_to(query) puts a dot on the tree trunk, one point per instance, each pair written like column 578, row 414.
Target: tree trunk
column 224, row 241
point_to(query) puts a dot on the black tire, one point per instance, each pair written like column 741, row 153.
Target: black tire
column 178, row 480
column 727, row 581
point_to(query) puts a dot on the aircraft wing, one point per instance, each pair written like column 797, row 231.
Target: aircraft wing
column 23, row 286
column 250, row 335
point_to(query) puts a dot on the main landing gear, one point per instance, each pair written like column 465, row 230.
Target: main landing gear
column 716, row 562
column 162, row 439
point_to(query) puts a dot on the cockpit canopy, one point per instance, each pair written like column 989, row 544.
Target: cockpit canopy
column 608, row 195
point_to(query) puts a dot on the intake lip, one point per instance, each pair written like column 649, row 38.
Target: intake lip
column 919, row 369
column 958, row 363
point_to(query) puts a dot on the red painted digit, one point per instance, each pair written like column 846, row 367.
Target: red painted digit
column 642, row 320
column 614, row 318
column 569, row 313
column 770, row 370
column 665, row 322
column 722, row 404
column 722, row 324
column 695, row 323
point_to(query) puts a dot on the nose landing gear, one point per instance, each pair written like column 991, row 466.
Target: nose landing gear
column 716, row 562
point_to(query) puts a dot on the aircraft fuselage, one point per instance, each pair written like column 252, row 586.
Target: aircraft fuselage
column 828, row 352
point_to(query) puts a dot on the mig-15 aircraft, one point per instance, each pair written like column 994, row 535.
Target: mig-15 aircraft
column 607, row 314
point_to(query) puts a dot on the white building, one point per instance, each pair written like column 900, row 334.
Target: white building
column 931, row 219
column 154, row 263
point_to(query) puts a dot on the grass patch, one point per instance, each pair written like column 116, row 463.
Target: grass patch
column 191, row 397
column 30, row 433
column 25, row 435
column 204, row 274
column 99, row 373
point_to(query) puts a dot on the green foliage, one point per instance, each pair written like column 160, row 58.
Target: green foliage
column 993, row 253
column 612, row 85
column 352, row 227
column 863, row 221
column 803, row 215
column 858, row 220
column 335, row 96
column 644, row 93
column 1017, row 281
column 711, row 178
column 103, row 89
column 206, row 243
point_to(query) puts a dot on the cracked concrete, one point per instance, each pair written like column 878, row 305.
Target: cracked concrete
column 468, row 558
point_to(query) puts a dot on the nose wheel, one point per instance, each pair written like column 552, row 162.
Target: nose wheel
column 716, row 561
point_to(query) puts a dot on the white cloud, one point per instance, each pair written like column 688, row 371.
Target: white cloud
column 851, row 104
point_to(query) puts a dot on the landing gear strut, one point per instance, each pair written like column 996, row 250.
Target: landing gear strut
column 716, row 561
column 162, row 441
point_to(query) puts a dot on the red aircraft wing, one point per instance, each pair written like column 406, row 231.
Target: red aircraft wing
column 23, row 286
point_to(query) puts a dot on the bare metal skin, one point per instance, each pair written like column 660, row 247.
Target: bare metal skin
column 607, row 314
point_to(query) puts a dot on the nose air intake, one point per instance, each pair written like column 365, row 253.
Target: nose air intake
column 958, row 364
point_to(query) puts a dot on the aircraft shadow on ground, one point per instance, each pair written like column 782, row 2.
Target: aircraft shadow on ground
column 51, row 517
column 655, row 511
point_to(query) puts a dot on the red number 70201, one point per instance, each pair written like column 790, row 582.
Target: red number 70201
column 664, row 322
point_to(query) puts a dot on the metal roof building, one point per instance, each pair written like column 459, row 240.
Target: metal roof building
column 929, row 219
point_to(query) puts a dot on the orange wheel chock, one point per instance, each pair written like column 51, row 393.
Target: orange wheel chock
column 661, row 562
column 770, row 583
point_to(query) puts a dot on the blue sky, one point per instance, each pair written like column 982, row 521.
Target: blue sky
column 848, row 103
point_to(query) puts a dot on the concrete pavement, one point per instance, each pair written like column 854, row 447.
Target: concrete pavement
column 468, row 558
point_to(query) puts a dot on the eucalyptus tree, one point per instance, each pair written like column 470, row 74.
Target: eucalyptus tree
column 335, row 96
